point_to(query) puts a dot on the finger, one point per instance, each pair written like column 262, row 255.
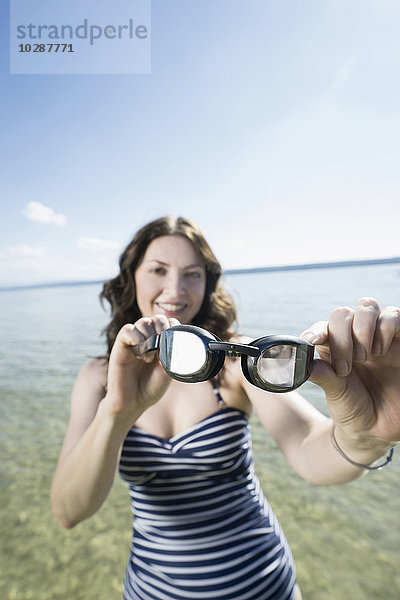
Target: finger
column 160, row 323
column 173, row 322
column 317, row 333
column 323, row 375
column 364, row 324
column 127, row 337
column 131, row 334
column 387, row 327
column 150, row 325
column 341, row 340
column 145, row 327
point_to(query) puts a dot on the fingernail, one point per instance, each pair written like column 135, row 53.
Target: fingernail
column 360, row 354
column 377, row 348
column 309, row 337
column 341, row 368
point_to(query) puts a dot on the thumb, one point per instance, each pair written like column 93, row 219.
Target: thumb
column 324, row 376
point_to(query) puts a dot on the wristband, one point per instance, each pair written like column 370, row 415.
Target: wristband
column 356, row 464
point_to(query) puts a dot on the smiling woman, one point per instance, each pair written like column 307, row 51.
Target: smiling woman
column 178, row 432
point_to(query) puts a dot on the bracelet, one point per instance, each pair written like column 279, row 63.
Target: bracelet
column 356, row 464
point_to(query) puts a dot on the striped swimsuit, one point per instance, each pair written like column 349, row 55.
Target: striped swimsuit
column 202, row 527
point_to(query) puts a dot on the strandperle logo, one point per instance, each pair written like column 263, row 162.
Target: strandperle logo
column 82, row 37
column 85, row 31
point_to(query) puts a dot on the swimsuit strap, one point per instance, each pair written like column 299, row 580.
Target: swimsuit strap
column 220, row 400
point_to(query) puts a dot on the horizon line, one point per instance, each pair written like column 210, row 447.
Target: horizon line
column 240, row 271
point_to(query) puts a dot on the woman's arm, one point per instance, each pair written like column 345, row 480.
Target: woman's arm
column 87, row 463
column 99, row 422
column 359, row 371
column 303, row 434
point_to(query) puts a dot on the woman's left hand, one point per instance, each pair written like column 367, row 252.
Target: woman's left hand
column 359, row 370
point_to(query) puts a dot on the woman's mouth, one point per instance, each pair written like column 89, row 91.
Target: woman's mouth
column 171, row 308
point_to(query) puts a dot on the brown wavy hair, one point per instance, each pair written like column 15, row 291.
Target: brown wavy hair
column 217, row 312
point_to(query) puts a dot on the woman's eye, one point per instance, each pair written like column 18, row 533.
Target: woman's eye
column 193, row 274
column 158, row 271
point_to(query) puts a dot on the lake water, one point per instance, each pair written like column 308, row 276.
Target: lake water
column 346, row 539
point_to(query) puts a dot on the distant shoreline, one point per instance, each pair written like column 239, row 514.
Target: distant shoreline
column 325, row 265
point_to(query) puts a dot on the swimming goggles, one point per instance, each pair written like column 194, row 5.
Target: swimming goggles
column 190, row 354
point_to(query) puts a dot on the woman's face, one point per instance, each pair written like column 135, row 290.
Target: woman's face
column 171, row 279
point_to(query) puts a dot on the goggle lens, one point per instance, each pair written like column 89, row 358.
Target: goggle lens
column 184, row 353
column 276, row 365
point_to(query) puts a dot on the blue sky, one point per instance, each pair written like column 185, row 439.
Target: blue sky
column 273, row 125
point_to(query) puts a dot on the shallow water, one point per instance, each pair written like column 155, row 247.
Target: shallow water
column 346, row 539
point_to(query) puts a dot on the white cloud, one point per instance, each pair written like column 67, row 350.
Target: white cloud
column 40, row 213
column 26, row 251
column 86, row 243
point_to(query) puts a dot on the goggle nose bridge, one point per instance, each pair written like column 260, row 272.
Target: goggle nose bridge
column 234, row 350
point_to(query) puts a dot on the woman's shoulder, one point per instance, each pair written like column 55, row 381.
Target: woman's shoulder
column 94, row 372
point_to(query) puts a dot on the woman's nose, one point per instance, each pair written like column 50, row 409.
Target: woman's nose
column 175, row 284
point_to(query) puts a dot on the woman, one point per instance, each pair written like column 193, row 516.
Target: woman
column 202, row 528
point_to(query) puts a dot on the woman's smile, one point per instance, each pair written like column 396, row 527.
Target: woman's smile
column 170, row 309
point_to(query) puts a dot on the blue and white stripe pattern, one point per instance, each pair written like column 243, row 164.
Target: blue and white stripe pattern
column 202, row 527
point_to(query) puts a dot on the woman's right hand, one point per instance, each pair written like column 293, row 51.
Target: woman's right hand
column 136, row 382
